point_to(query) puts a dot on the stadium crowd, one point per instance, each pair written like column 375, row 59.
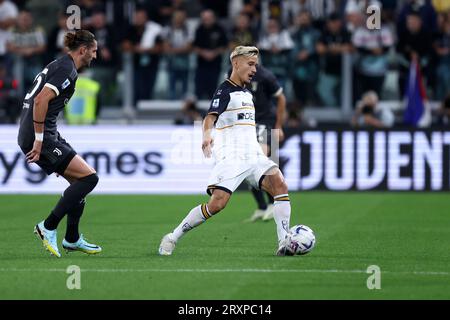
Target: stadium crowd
column 301, row 42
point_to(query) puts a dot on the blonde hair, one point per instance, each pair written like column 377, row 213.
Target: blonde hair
column 247, row 51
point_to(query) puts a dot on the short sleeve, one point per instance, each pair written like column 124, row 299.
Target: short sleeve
column 272, row 85
column 59, row 80
column 219, row 103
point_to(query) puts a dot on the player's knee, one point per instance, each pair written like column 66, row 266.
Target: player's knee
column 91, row 180
column 280, row 185
column 216, row 206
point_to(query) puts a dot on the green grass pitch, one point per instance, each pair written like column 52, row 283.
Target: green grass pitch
column 406, row 234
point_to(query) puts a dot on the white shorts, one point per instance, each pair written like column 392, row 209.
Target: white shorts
column 228, row 175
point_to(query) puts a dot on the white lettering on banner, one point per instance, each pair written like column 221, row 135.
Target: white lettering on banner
column 396, row 160
column 293, row 162
column 332, row 180
column 315, row 140
column 364, row 179
column 169, row 159
column 447, row 142
column 430, row 154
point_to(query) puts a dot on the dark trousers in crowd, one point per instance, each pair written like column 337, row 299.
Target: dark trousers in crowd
column 178, row 83
column 363, row 83
column 144, row 81
column 206, row 78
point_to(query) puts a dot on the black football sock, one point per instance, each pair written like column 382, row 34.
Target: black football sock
column 259, row 197
column 73, row 220
column 71, row 198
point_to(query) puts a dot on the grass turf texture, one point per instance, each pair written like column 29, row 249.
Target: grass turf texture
column 405, row 234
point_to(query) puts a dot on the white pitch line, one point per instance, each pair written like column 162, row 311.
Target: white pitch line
column 423, row 273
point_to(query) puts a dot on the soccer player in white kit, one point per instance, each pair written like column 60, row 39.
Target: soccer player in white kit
column 237, row 153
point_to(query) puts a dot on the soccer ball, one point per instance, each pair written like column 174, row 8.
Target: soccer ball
column 301, row 239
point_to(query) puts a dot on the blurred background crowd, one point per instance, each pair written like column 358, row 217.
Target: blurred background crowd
column 170, row 55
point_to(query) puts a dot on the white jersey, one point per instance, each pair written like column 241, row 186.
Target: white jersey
column 235, row 136
column 236, row 150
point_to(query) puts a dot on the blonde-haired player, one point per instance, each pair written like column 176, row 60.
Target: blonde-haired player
column 238, row 155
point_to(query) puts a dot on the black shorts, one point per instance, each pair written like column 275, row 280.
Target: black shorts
column 55, row 155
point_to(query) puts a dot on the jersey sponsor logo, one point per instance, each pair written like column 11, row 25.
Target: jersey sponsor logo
column 65, row 84
column 246, row 116
column 57, row 152
column 215, row 103
column 247, row 104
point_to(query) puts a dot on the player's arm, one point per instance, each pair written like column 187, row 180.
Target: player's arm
column 281, row 113
column 39, row 113
column 218, row 105
column 208, row 142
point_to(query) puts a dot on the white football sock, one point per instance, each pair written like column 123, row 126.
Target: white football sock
column 194, row 218
column 282, row 214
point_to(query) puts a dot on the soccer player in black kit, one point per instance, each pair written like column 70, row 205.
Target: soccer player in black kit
column 265, row 89
column 42, row 144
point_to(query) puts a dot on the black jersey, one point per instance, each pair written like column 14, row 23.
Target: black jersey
column 264, row 87
column 60, row 76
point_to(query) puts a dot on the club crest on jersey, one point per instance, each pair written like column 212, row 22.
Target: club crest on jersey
column 65, row 84
column 57, row 152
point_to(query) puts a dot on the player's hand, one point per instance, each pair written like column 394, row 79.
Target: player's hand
column 207, row 144
column 35, row 153
column 280, row 134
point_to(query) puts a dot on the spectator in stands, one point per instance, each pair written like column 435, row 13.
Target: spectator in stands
column 275, row 48
column 320, row 10
column 242, row 33
column 210, row 42
column 304, row 61
column 189, row 113
column 144, row 40
column 334, row 42
column 414, row 43
column 372, row 56
column 441, row 6
column 9, row 101
column 28, row 42
column 104, row 68
column 178, row 46
column 88, row 8
column 253, row 8
column 443, row 114
column 219, row 7
column 368, row 114
column 442, row 50
column 423, row 8
column 163, row 10
column 8, row 18
column 55, row 40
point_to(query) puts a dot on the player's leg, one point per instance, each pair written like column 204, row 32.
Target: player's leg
column 195, row 217
column 274, row 183
column 258, row 194
column 82, row 179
